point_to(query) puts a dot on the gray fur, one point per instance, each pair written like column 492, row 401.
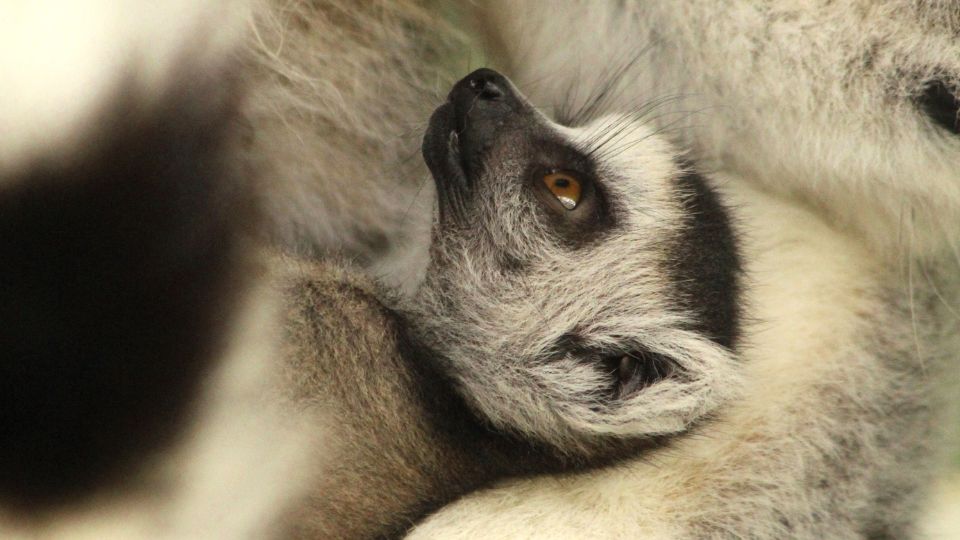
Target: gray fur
column 338, row 93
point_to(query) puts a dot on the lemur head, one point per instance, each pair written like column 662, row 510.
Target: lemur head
column 582, row 282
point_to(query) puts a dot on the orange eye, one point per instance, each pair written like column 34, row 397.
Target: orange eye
column 565, row 188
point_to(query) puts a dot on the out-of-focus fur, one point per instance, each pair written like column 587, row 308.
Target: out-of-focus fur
column 133, row 341
column 338, row 98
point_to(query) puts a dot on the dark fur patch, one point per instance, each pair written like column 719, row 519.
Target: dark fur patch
column 941, row 104
column 707, row 269
column 118, row 274
column 595, row 217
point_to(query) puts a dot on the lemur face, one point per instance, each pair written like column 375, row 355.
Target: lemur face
column 582, row 283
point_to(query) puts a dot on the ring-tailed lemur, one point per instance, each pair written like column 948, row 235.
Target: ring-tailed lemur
column 809, row 354
column 848, row 108
column 833, row 402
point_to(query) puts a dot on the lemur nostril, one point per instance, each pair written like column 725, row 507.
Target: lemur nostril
column 491, row 91
column 483, row 84
column 481, row 104
column 485, row 88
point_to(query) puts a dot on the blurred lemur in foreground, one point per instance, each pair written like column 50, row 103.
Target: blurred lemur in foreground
column 605, row 343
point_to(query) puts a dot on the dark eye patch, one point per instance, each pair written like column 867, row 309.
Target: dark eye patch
column 941, row 104
column 594, row 215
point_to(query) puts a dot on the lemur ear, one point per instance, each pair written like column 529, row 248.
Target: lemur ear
column 632, row 371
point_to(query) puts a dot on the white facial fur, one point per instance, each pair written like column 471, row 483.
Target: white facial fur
column 504, row 288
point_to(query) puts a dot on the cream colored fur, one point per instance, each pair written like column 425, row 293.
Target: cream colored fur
column 64, row 60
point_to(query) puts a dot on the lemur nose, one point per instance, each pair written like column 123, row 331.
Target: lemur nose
column 483, row 102
column 484, row 84
column 482, row 96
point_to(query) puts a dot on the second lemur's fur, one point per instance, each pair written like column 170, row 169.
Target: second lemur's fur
column 337, row 96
